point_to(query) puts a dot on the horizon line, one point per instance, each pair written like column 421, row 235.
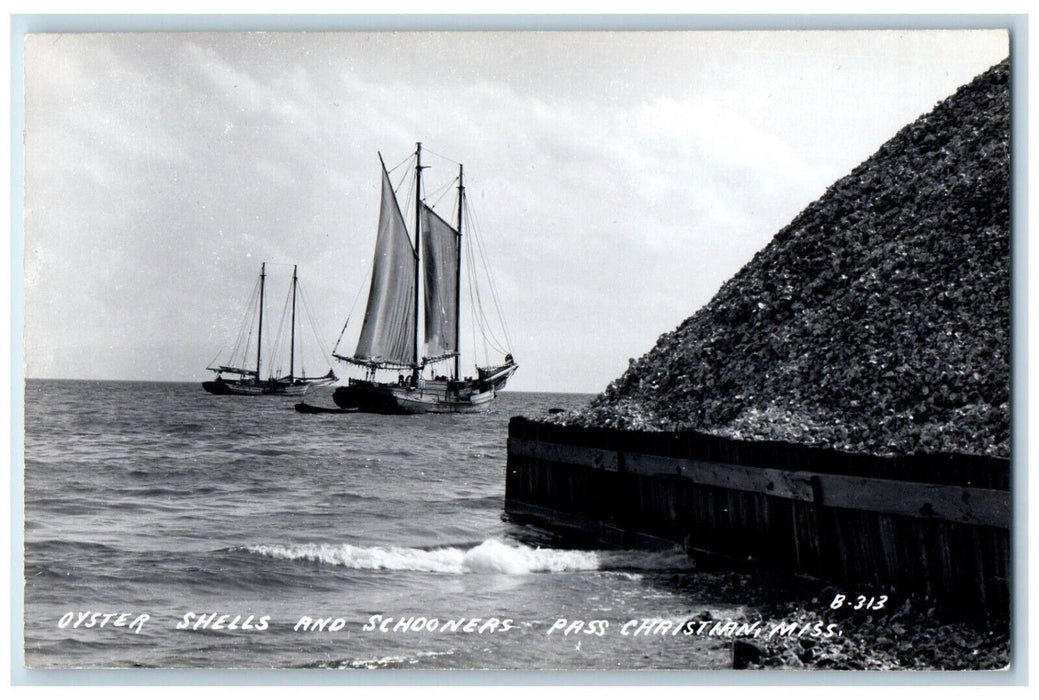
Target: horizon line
column 195, row 381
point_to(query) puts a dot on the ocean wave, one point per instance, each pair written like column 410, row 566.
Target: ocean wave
column 489, row 557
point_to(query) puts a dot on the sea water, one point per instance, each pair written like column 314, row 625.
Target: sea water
column 165, row 527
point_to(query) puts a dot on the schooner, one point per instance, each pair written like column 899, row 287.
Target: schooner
column 248, row 379
column 389, row 338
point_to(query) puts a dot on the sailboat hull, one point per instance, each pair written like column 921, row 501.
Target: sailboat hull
column 221, row 388
column 429, row 396
column 276, row 388
column 392, row 399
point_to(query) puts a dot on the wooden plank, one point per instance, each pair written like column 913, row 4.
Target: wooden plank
column 771, row 482
column 565, row 454
column 956, row 504
column 972, row 506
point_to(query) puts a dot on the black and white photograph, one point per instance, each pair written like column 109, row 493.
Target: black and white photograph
column 580, row 350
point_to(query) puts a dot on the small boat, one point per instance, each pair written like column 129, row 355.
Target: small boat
column 247, row 379
column 389, row 338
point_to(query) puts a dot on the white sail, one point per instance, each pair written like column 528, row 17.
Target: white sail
column 440, row 248
column 388, row 334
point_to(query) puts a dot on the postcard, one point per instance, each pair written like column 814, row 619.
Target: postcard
column 517, row 350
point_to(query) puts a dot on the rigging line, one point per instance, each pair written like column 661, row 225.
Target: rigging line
column 364, row 284
column 246, row 328
column 249, row 342
column 442, row 191
column 243, row 320
column 286, row 324
column 310, row 316
column 407, row 178
column 472, row 300
column 454, row 203
column 408, row 205
column 496, row 298
column 276, row 349
column 409, row 158
column 425, row 149
column 263, row 312
column 489, row 335
column 313, row 329
column 481, row 317
column 309, row 312
column 313, row 326
column 286, row 315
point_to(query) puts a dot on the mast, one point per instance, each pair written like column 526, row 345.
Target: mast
column 458, row 278
column 259, row 332
column 292, row 331
column 418, row 242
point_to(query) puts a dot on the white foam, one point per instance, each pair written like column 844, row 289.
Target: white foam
column 446, row 560
column 495, row 557
column 489, row 557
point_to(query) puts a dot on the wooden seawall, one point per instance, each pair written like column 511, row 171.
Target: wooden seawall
column 934, row 525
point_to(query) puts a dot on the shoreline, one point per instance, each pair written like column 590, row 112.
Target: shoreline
column 907, row 634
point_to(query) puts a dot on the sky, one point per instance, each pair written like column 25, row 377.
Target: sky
column 617, row 179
